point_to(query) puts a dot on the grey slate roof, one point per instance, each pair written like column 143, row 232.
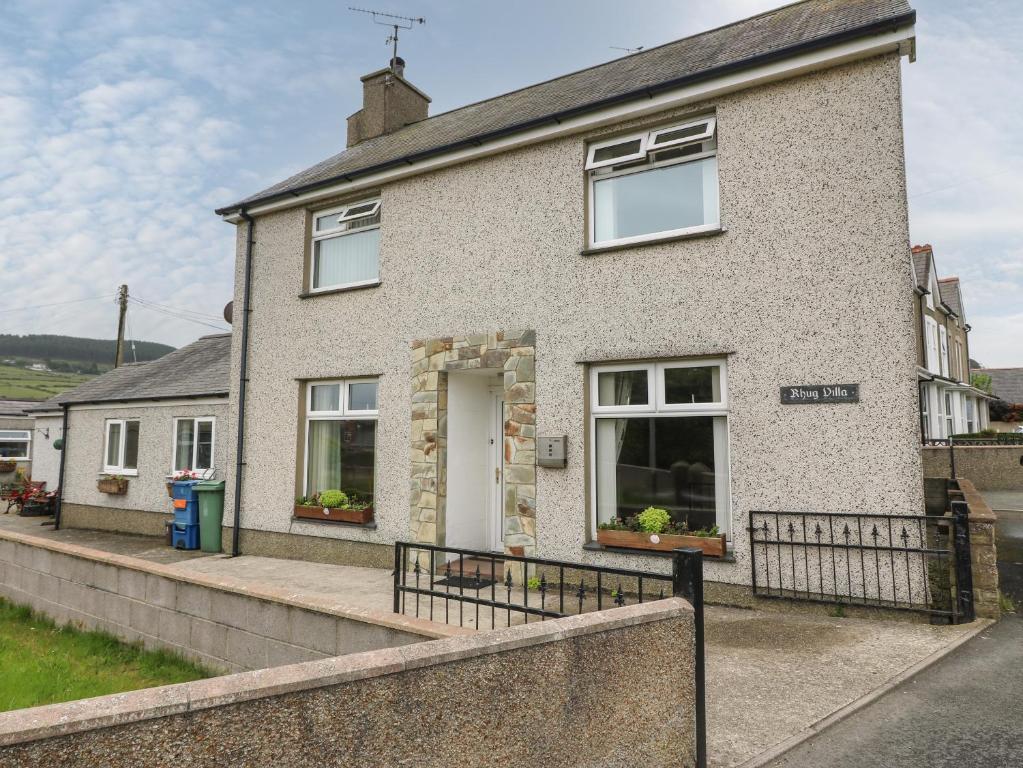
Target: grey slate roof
column 921, row 268
column 201, row 368
column 1006, row 383
column 949, row 287
column 16, row 407
column 767, row 37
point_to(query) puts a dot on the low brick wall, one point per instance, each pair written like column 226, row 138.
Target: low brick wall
column 983, row 555
column 988, row 467
column 225, row 626
column 613, row 688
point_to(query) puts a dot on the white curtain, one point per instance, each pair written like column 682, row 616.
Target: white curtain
column 184, row 441
column 324, row 465
column 347, row 259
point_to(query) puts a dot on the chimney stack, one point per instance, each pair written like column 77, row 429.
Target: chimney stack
column 389, row 102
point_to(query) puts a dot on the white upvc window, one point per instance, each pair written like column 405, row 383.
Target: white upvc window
column 194, row 440
column 659, row 437
column 931, row 345
column 345, row 249
column 15, row 444
column 121, row 447
column 340, row 427
column 971, row 414
column 653, row 184
column 943, row 336
column 925, row 411
column 950, row 427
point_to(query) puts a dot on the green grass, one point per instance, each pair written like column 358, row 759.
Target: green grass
column 41, row 663
column 22, row 384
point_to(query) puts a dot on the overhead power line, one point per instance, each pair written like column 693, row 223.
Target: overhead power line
column 55, row 303
column 176, row 315
column 169, row 308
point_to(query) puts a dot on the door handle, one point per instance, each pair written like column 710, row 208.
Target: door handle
column 497, row 475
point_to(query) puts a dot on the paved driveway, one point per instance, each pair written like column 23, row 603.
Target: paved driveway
column 966, row 710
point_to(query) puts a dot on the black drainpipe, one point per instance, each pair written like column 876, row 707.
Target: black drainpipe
column 60, row 473
column 243, row 379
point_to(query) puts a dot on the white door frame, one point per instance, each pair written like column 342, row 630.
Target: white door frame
column 495, row 498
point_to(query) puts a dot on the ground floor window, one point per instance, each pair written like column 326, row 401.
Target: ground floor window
column 121, row 452
column 949, row 415
column 193, row 443
column 660, row 435
column 971, row 417
column 15, row 444
column 341, row 420
column 925, row 414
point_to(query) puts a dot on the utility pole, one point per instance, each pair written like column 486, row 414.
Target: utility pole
column 122, row 300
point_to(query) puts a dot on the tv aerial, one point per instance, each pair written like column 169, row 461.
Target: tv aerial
column 637, row 49
column 396, row 23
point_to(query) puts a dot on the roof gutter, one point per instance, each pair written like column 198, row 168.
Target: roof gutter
column 877, row 27
column 243, row 378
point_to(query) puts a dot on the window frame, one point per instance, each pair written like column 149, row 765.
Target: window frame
column 660, row 409
column 195, row 442
column 27, row 440
column 119, row 468
column 341, row 230
column 641, row 162
column 343, row 414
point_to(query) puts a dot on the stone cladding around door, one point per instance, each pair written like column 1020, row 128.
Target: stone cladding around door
column 512, row 352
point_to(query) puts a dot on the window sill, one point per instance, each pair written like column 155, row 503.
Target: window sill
column 653, row 241
column 370, row 526
column 593, row 546
column 342, row 289
column 119, row 472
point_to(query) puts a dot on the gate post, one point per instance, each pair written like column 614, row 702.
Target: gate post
column 687, row 582
column 964, row 562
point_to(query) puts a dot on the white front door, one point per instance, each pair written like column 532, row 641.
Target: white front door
column 495, row 506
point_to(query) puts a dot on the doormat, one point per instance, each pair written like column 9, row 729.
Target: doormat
column 465, row 582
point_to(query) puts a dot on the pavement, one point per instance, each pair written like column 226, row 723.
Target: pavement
column 771, row 675
column 963, row 711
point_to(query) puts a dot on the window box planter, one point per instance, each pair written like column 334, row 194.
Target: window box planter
column 712, row 546
column 115, row 486
column 7, row 466
column 359, row 516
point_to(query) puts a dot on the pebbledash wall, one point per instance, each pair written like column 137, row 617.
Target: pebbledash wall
column 145, row 507
column 805, row 284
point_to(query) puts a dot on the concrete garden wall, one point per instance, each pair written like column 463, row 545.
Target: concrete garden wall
column 217, row 623
column 988, row 467
column 568, row 692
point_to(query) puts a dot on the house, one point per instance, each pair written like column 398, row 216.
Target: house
column 17, row 433
column 141, row 421
column 511, row 322
column 948, row 403
column 1007, row 386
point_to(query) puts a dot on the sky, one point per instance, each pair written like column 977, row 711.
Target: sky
column 124, row 124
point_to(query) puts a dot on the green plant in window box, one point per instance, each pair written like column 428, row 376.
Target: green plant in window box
column 115, row 485
column 334, row 505
column 653, row 528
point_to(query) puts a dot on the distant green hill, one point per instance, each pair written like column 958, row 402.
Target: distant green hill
column 71, row 349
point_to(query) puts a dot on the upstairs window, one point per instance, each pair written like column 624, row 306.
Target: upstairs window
column 15, row 444
column 653, row 184
column 193, row 443
column 121, row 451
column 346, row 246
column 943, row 336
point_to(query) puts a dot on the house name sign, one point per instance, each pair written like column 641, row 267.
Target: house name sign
column 800, row 394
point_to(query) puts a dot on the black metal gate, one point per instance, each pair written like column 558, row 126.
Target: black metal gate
column 897, row 562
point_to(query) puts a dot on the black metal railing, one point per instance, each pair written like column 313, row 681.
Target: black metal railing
column 450, row 584
column 897, row 562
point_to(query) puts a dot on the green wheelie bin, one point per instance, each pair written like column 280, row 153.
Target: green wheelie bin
column 211, row 513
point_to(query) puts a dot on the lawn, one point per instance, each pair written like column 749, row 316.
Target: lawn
column 41, row 663
column 22, row 384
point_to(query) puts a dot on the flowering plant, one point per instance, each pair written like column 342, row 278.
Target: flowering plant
column 185, row 474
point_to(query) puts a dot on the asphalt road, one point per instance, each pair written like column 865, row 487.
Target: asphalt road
column 966, row 710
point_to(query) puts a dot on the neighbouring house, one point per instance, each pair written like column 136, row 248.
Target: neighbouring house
column 675, row 279
column 17, row 438
column 948, row 404
column 142, row 422
column 1006, row 386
